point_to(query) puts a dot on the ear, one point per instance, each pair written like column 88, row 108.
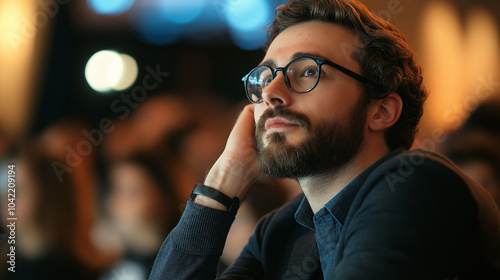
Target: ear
column 384, row 113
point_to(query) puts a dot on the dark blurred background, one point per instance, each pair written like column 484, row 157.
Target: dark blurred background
column 209, row 44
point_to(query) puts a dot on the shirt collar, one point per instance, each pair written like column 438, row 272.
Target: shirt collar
column 340, row 204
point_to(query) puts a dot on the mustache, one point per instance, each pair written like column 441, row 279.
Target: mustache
column 297, row 118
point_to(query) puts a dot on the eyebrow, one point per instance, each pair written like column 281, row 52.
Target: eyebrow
column 272, row 63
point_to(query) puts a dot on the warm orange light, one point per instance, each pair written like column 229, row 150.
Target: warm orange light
column 443, row 62
column 482, row 47
column 18, row 31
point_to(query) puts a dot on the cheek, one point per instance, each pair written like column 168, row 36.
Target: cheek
column 332, row 104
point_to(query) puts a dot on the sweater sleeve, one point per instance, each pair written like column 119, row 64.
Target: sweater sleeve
column 193, row 248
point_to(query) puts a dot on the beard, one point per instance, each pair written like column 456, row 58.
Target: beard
column 326, row 148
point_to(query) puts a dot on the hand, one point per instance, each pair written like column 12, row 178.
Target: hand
column 237, row 167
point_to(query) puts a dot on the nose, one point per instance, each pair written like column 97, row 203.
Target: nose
column 277, row 92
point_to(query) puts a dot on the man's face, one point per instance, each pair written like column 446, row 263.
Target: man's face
column 300, row 135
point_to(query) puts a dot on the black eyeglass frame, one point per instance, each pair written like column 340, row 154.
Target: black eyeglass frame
column 319, row 62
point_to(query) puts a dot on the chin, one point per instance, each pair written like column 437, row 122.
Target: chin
column 283, row 138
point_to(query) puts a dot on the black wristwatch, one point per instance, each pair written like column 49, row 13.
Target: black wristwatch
column 232, row 205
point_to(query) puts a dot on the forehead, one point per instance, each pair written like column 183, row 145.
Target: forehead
column 328, row 40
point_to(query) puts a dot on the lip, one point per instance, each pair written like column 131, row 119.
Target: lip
column 278, row 122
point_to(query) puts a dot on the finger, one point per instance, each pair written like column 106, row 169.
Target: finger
column 242, row 134
column 246, row 118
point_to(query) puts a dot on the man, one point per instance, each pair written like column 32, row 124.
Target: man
column 338, row 99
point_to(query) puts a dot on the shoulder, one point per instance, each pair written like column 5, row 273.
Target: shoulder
column 422, row 195
column 407, row 162
column 418, row 212
column 419, row 186
column 420, row 167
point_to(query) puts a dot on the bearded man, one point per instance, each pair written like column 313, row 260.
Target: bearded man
column 337, row 100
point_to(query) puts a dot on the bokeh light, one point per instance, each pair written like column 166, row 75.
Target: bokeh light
column 246, row 20
column 181, row 12
column 249, row 40
column 246, row 15
column 110, row 7
column 108, row 70
column 98, row 72
column 164, row 22
column 129, row 73
column 152, row 26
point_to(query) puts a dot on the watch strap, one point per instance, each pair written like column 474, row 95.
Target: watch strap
column 232, row 204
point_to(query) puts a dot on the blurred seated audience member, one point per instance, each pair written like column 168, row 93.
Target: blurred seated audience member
column 261, row 199
column 158, row 116
column 157, row 127
column 142, row 129
column 120, row 142
column 74, row 154
column 48, row 226
column 486, row 117
column 478, row 154
column 475, row 147
column 143, row 208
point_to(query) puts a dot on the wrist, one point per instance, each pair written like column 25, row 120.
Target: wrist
column 210, row 197
column 229, row 177
column 208, row 202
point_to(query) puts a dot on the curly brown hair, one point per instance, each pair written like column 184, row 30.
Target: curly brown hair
column 381, row 50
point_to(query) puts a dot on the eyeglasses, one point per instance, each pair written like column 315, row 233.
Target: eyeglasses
column 301, row 76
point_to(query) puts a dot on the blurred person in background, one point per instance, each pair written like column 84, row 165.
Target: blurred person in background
column 49, row 231
column 75, row 155
column 157, row 127
column 143, row 207
column 119, row 143
column 158, row 116
column 57, row 206
column 486, row 117
column 143, row 129
column 475, row 147
column 478, row 154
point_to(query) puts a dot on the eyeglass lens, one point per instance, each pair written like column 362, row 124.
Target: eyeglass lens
column 302, row 75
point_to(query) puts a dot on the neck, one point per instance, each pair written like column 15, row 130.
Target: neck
column 319, row 189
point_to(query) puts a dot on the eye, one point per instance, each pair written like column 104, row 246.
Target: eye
column 310, row 72
column 265, row 81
